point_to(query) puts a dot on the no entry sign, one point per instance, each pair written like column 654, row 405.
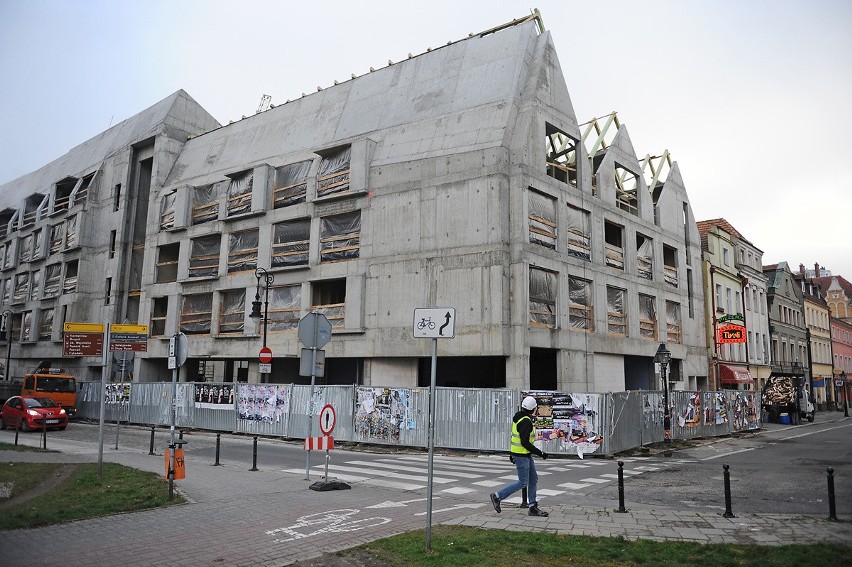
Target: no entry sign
column 265, row 355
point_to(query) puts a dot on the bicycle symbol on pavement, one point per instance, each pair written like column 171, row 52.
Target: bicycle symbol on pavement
column 333, row 522
column 425, row 322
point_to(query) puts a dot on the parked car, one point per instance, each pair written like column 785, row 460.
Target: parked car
column 33, row 414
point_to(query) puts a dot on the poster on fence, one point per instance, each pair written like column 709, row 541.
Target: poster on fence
column 744, row 408
column 214, row 396
column 262, row 402
column 569, row 417
column 690, row 415
column 715, row 408
column 118, row 393
column 381, row 413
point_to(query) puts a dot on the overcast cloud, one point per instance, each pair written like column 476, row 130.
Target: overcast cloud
column 752, row 98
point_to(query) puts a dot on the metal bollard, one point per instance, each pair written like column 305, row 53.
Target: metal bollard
column 254, row 456
column 524, row 503
column 151, row 450
column 728, row 513
column 181, row 434
column 44, row 434
column 621, row 507
column 17, row 430
column 216, row 464
column 832, row 511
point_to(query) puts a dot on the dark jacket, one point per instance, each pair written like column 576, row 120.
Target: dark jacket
column 524, row 429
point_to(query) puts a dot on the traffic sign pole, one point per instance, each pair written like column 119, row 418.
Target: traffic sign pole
column 431, row 443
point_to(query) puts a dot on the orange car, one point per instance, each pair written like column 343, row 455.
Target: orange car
column 33, row 414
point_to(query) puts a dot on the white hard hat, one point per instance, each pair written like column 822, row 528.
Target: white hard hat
column 529, row 403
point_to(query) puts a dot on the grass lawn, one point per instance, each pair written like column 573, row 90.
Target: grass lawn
column 81, row 495
column 457, row 546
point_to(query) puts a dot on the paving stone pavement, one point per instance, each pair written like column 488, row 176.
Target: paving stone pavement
column 270, row 518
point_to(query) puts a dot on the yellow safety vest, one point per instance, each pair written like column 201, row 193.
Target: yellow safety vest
column 517, row 448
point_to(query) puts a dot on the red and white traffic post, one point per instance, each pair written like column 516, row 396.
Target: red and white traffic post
column 327, row 419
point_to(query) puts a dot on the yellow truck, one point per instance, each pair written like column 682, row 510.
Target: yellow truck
column 52, row 383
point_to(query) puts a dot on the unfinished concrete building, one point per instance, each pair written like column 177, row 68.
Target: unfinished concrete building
column 459, row 177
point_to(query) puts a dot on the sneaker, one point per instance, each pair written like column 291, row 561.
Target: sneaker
column 534, row 511
column 495, row 501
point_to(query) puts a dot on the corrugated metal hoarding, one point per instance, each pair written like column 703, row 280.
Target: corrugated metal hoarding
column 472, row 419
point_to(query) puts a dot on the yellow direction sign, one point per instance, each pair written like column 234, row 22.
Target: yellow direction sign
column 129, row 329
column 84, row 327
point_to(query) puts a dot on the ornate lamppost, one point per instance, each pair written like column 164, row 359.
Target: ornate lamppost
column 663, row 357
column 255, row 314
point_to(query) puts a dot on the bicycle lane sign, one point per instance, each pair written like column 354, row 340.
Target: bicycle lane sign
column 435, row 323
column 331, row 522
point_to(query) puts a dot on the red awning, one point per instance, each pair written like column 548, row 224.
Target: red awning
column 735, row 374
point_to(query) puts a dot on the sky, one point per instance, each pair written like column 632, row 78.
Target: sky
column 752, row 98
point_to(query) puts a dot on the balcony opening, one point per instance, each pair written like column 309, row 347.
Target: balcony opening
column 614, row 245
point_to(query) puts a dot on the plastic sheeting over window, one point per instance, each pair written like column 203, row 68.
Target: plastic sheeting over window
column 38, row 237
column 232, row 311
column 285, row 304
column 52, row 276
column 205, row 203
column 242, row 255
column 647, row 316
column 25, row 248
column 329, row 298
column 167, row 263
column 167, row 211
column 542, row 220
column 239, row 193
column 195, row 313
column 670, row 265
column 45, row 326
column 542, row 298
column 22, row 287
column 291, row 184
column 71, row 232
column 27, row 326
column 56, row 234
column 34, row 288
column 644, row 257
column 673, row 322
column 616, row 311
column 7, row 290
column 333, row 175
column 340, row 237
column 581, row 313
column 613, row 247
column 290, row 243
column 204, row 256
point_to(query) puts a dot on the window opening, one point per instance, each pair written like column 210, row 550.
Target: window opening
column 63, row 192
column 291, row 184
column 542, row 219
column 581, row 309
column 31, row 207
column 71, row 232
column 579, row 233
column 290, row 243
column 112, row 236
column 70, row 283
column 57, row 233
column 159, row 311
column 285, row 303
column 670, row 265
column 107, row 291
column 329, row 298
column 561, row 158
column 647, row 317
column 7, row 290
column 25, row 248
column 22, row 287
column 167, row 211
column 333, row 175
column 242, row 251
column 644, row 257
column 232, row 311
column 204, row 256
column 52, row 277
column 27, row 326
column 690, row 294
column 45, row 325
column 205, row 203
column 340, row 237
column 626, row 187
column 239, row 193
column 116, row 197
column 38, row 238
column 614, row 239
column 9, row 252
column 616, row 311
column 167, row 263
column 542, row 306
column 673, row 327
column 36, row 282
column 195, row 314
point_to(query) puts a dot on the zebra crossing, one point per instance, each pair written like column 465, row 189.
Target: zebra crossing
column 459, row 476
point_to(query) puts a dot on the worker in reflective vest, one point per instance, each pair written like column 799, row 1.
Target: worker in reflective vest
column 521, row 453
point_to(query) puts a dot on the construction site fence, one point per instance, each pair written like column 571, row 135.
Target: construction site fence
column 465, row 418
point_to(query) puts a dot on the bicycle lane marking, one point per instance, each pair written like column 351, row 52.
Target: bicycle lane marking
column 336, row 521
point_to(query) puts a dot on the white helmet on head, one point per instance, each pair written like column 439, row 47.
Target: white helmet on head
column 529, row 403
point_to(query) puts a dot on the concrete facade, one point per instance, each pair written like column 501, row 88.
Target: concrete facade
column 426, row 183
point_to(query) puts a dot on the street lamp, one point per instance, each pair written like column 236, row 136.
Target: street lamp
column 845, row 400
column 663, row 357
column 255, row 305
column 7, row 328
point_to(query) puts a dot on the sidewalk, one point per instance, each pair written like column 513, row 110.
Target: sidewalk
column 270, row 518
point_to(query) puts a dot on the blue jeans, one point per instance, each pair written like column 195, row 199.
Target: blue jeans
column 526, row 477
